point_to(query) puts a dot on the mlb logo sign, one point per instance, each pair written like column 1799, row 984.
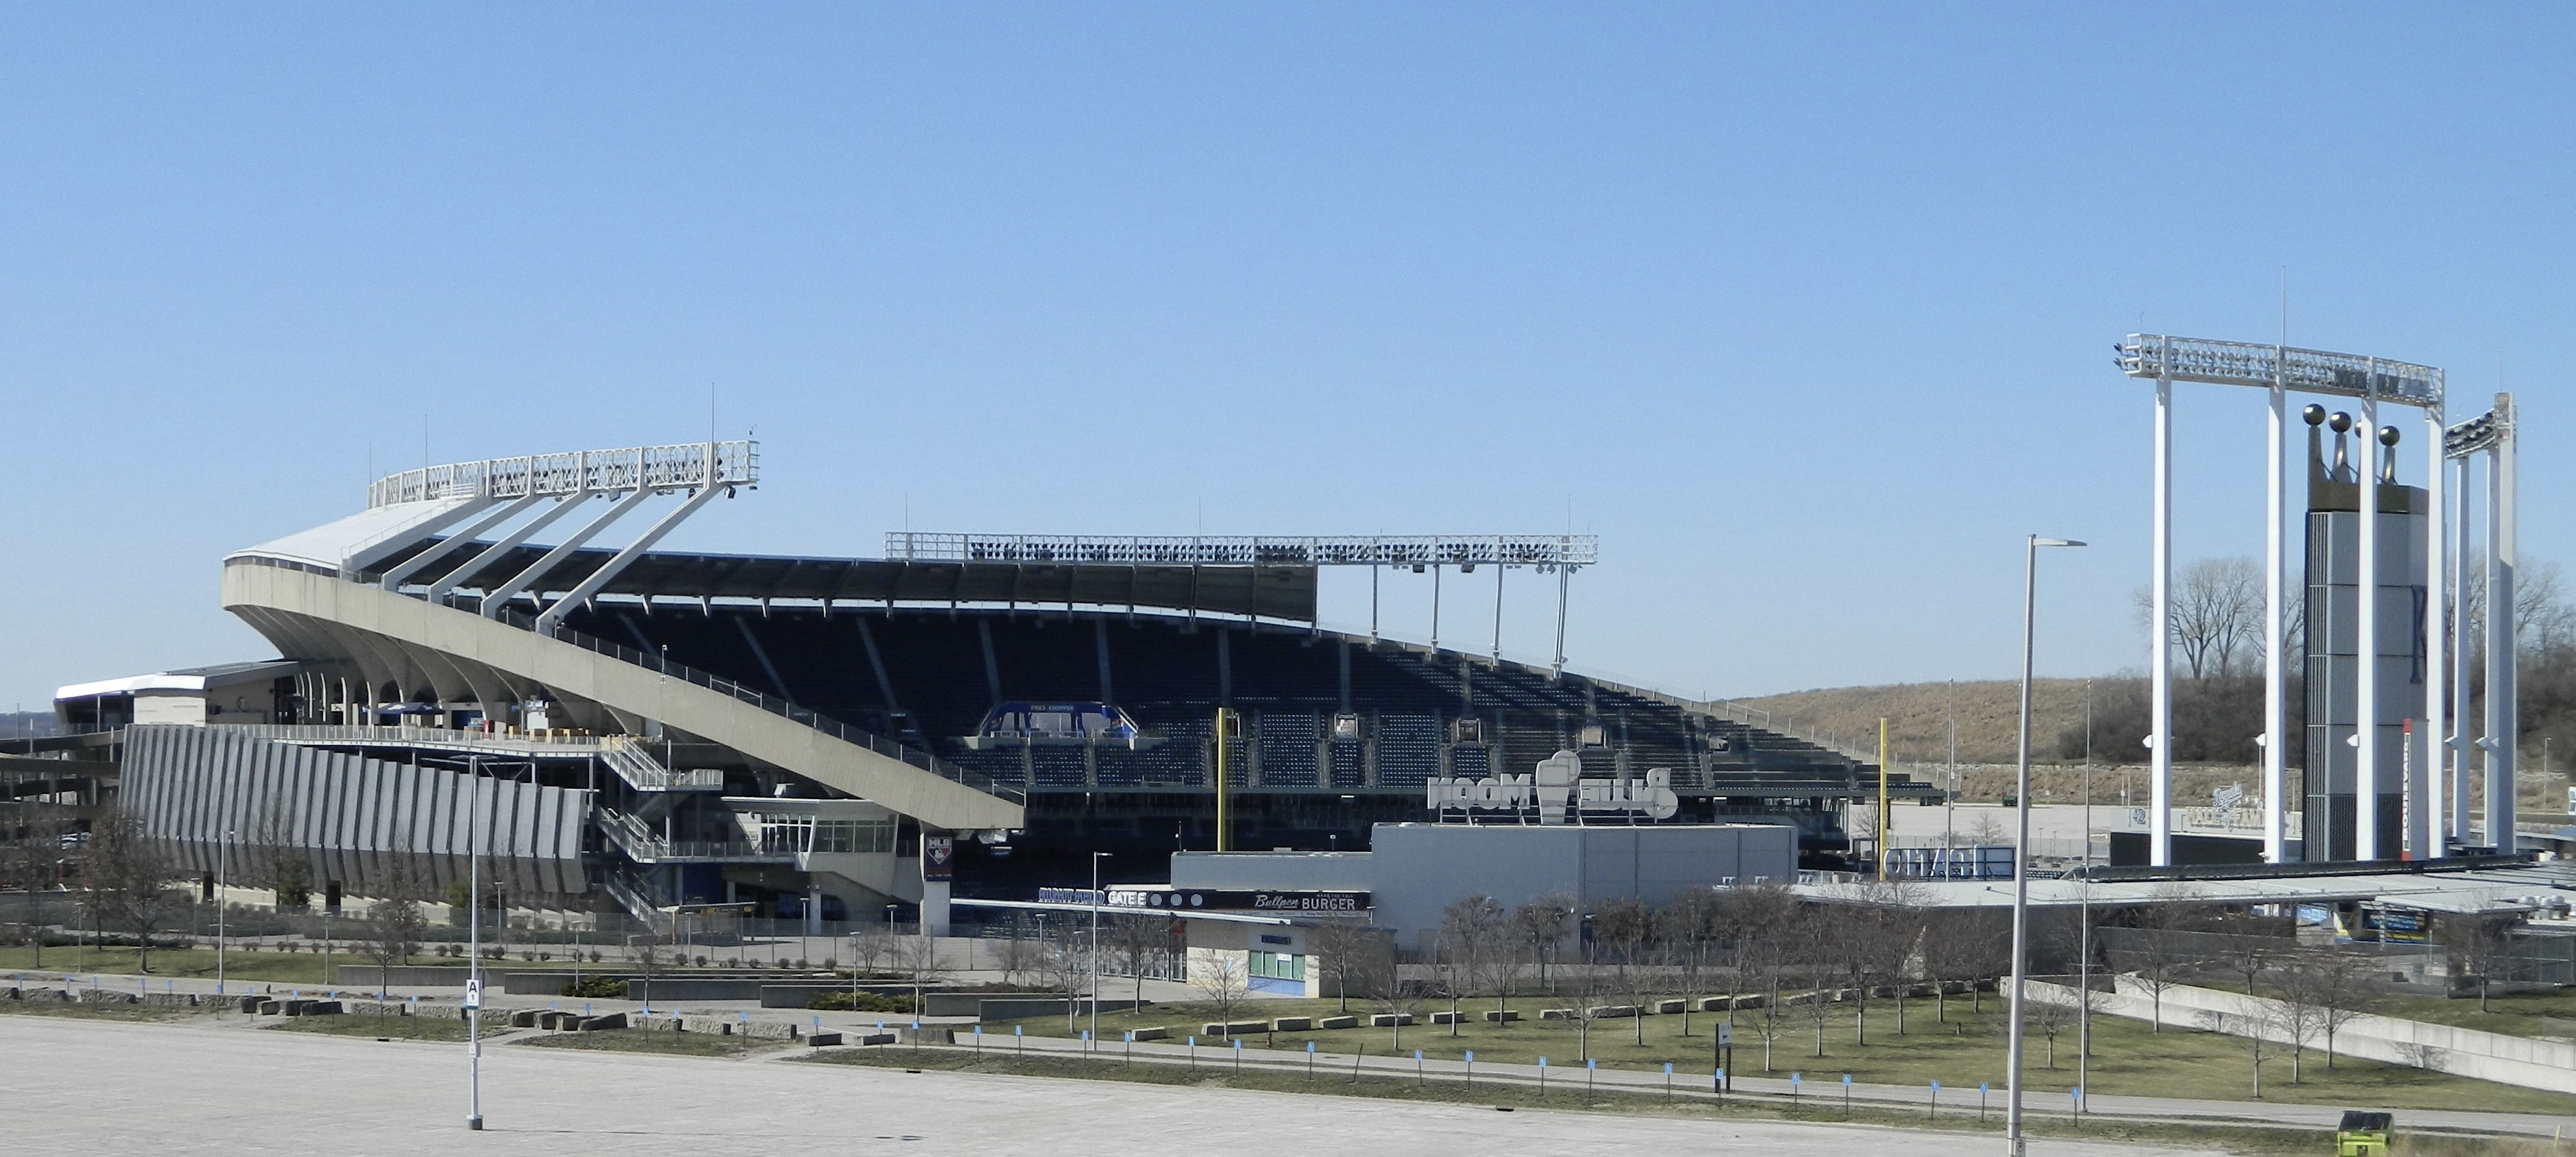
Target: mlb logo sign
column 938, row 857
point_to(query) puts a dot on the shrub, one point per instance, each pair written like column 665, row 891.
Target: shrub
column 866, row 1002
column 594, row 956
column 702, row 962
column 596, row 988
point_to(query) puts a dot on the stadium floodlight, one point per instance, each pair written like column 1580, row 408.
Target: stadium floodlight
column 1416, row 551
column 2278, row 368
column 685, row 466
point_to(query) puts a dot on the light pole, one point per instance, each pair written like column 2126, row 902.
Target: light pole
column 223, row 859
column 474, row 944
column 2021, row 844
column 1096, row 857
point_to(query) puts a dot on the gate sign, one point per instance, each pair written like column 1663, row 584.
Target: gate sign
column 1557, row 789
column 938, row 858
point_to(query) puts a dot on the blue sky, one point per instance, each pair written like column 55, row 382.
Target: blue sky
column 1806, row 310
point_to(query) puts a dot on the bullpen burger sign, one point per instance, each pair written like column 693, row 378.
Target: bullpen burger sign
column 1558, row 791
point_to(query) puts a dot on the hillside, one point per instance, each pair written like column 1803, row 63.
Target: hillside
column 1918, row 717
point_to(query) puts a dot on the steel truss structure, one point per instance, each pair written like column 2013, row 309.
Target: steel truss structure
column 1458, row 550
column 657, row 468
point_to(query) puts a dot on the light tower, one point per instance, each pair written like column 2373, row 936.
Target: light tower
column 2279, row 369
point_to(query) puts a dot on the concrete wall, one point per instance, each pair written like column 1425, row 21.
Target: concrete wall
column 1419, row 869
column 2467, row 1052
column 1280, row 871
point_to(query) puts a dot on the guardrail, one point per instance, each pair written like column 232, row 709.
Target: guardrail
column 643, row 843
column 635, row 764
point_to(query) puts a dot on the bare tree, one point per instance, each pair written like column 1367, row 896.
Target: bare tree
column 1971, row 945
column 1396, row 994
column 128, row 874
column 1222, row 977
column 1539, row 927
column 1692, row 929
column 1469, row 931
column 1624, row 930
column 2217, row 614
column 1137, row 936
column 389, row 933
column 2162, row 945
column 2301, row 988
column 2475, row 946
column 1755, row 917
column 1066, row 964
column 274, row 854
column 871, row 945
column 1815, row 943
column 34, row 850
column 918, row 958
column 1340, row 948
column 2050, row 1017
column 1017, row 954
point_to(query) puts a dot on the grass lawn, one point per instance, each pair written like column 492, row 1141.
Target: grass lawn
column 629, row 1040
column 1569, row 1096
column 2128, row 1059
column 2535, row 1014
column 414, row 1028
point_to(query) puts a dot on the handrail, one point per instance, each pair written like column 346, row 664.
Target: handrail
column 633, row 763
column 920, row 760
column 642, row 842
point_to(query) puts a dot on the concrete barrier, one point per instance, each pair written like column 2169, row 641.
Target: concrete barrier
column 1157, row 1033
column 875, row 1038
column 990, row 1009
column 1234, row 1028
column 1293, row 1024
column 1502, row 1015
column 1333, row 1022
column 1670, row 1007
column 406, row 976
column 1390, row 1019
column 1613, row 1011
column 1452, row 1017
column 613, row 1020
column 1556, row 1014
column 822, row 1040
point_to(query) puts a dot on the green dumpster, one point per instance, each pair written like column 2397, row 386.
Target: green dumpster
column 2363, row 1134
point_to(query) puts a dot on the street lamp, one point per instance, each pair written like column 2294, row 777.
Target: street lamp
column 1096, row 857
column 223, row 859
column 2021, row 844
column 474, row 944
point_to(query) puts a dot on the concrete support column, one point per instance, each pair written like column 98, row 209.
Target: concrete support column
column 2160, row 646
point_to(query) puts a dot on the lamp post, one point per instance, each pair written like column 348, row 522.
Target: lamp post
column 1096, row 857
column 223, row 860
column 2021, row 843
column 474, row 944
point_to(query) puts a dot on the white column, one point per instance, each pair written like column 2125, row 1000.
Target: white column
column 2461, row 747
column 2503, row 723
column 2275, row 664
column 2426, row 831
column 2160, row 648
column 2365, row 756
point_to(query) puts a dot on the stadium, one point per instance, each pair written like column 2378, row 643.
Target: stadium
column 855, row 739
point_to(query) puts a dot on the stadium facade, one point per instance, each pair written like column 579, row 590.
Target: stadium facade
column 849, row 738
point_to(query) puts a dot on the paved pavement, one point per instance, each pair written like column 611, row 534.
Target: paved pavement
column 214, row 1088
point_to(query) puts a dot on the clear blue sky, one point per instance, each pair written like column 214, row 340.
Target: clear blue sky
column 1806, row 310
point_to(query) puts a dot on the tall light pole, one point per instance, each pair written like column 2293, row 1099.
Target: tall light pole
column 2021, row 844
column 1096, row 857
column 474, row 944
column 223, row 859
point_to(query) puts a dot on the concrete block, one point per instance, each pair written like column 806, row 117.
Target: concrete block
column 613, row 1020
column 1235, row 1028
column 272, row 1008
column 874, row 1038
column 1556, row 1014
column 927, row 1034
column 822, row 1040
column 1670, row 1007
column 524, row 1018
column 1502, row 1015
column 1452, row 1017
column 1293, row 1024
column 1153, row 1034
column 1334, row 1022
column 325, row 1008
column 1613, row 1011
column 1390, row 1019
